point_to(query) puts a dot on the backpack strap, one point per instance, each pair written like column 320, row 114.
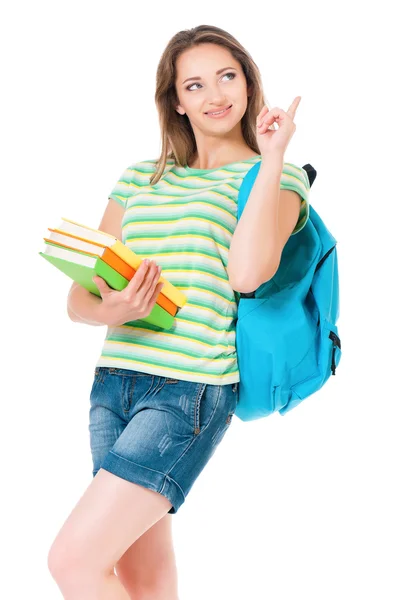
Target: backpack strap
column 310, row 172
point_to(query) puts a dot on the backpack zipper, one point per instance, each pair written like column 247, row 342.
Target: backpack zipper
column 336, row 343
column 324, row 258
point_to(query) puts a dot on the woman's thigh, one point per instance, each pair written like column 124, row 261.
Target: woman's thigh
column 109, row 517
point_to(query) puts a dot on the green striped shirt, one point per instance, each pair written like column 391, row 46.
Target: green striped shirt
column 185, row 223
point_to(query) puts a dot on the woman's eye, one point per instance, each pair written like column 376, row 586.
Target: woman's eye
column 233, row 77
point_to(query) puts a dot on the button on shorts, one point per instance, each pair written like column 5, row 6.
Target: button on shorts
column 156, row 431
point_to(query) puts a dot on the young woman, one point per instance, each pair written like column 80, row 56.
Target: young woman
column 162, row 400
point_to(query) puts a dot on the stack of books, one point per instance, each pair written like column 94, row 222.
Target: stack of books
column 82, row 253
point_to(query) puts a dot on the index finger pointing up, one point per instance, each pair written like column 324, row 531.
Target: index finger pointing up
column 293, row 107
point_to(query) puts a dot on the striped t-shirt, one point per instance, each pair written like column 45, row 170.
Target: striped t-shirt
column 185, row 223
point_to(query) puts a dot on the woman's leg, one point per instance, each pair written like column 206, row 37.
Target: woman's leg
column 148, row 568
column 110, row 516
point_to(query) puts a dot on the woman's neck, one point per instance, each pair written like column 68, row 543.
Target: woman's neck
column 236, row 156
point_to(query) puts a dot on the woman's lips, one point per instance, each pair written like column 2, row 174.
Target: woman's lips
column 221, row 115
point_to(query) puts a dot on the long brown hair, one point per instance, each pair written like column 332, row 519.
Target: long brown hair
column 177, row 136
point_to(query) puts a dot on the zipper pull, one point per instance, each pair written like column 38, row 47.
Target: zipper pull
column 333, row 361
column 336, row 343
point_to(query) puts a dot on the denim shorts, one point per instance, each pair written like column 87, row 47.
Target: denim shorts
column 156, row 431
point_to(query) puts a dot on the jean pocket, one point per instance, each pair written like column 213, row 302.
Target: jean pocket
column 206, row 402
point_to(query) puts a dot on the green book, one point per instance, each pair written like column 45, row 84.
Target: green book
column 82, row 267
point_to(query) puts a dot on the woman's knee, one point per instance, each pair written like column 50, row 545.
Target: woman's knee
column 58, row 560
column 67, row 565
column 62, row 563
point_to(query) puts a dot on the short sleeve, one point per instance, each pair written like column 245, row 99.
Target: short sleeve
column 131, row 180
column 295, row 178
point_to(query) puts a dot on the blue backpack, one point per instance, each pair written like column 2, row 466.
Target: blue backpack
column 287, row 340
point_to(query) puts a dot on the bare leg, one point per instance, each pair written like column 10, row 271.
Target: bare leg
column 148, row 568
column 110, row 516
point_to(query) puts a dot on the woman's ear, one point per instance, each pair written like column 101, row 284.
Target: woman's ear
column 180, row 110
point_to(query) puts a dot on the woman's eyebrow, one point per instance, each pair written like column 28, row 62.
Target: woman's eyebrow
column 217, row 73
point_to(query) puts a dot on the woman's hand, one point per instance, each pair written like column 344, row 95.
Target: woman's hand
column 271, row 140
column 135, row 301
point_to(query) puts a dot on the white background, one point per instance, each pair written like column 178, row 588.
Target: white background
column 300, row 507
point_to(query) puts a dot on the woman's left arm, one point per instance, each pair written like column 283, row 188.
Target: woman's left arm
column 262, row 231
column 270, row 214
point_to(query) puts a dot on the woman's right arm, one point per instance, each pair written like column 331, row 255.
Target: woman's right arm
column 115, row 307
column 83, row 306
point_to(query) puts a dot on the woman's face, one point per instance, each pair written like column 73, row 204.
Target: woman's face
column 209, row 91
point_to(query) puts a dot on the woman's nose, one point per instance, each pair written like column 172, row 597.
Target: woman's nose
column 217, row 99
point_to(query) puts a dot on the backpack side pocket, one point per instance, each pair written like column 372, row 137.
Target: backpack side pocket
column 325, row 356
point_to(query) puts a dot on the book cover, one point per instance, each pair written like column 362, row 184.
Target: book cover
column 66, row 260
